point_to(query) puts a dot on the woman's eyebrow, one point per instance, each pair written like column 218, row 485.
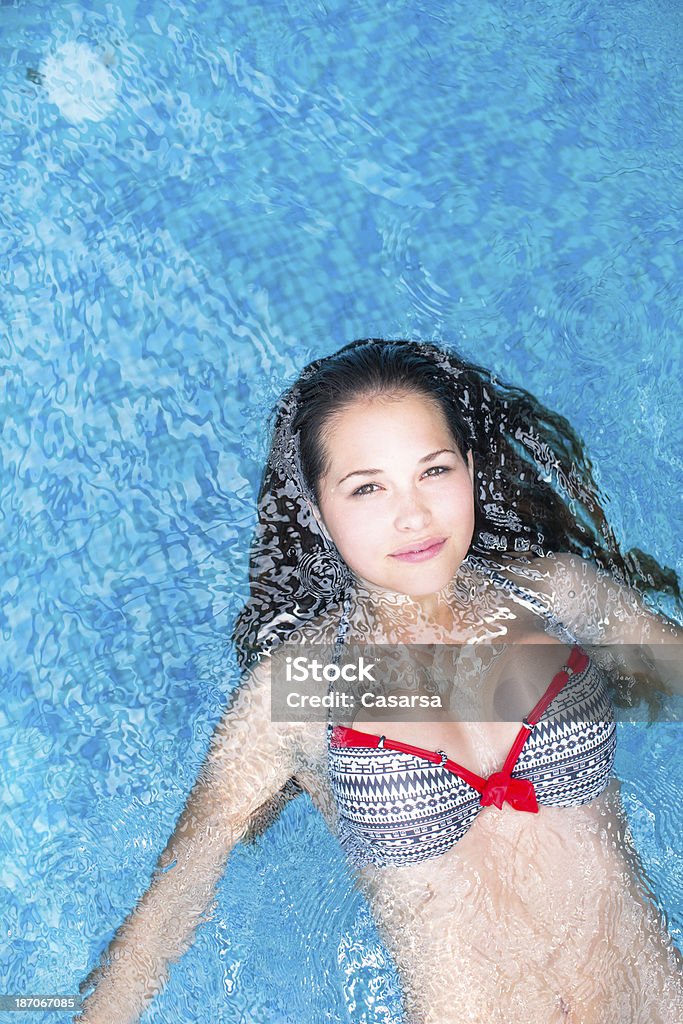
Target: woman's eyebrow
column 374, row 472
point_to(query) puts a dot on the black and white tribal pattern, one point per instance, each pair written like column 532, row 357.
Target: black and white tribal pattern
column 397, row 808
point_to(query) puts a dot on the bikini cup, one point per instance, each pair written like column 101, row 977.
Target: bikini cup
column 405, row 806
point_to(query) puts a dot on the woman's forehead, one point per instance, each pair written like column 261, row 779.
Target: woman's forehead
column 387, row 431
column 387, row 409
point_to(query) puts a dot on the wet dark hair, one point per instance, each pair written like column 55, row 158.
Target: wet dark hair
column 534, row 487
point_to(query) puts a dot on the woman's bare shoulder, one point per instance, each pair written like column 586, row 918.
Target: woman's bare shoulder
column 543, row 573
column 529, row 572
column 554, row 578
column 319, row 634
column 573, row 588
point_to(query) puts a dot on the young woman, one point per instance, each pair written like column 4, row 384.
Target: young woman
column 411, row 499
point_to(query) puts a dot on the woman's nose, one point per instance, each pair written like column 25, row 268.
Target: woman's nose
column 411, row 512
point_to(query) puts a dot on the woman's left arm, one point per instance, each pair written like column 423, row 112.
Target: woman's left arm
column 601, row 610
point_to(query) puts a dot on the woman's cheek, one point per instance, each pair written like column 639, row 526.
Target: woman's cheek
column 458, row 506
column 350, row 530
column 364, row 536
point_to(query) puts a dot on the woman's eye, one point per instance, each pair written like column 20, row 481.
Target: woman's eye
column 361, row 491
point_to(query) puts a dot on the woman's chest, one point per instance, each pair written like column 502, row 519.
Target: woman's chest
column 468, row 701
column 396, row 804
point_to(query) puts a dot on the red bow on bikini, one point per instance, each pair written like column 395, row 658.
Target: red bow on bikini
column 519, row 793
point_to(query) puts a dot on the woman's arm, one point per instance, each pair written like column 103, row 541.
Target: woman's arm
column 600, row 610
column 249, row 759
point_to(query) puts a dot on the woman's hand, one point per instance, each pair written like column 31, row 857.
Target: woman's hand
column 124, row 983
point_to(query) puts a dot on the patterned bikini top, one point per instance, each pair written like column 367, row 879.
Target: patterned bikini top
column 401, row 804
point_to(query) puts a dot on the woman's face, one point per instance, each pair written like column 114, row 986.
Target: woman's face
column 396, row 483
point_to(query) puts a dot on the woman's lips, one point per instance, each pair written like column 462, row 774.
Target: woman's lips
column 422, row 556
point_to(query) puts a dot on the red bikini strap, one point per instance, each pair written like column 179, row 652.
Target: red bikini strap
column 576, row 662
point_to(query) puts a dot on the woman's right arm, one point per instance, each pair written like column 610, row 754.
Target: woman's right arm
column 250, row 758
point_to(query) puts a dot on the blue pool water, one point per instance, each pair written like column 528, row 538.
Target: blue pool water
column 197, row 198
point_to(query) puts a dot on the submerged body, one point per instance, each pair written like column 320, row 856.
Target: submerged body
column 527, row 917
column 391, row 464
